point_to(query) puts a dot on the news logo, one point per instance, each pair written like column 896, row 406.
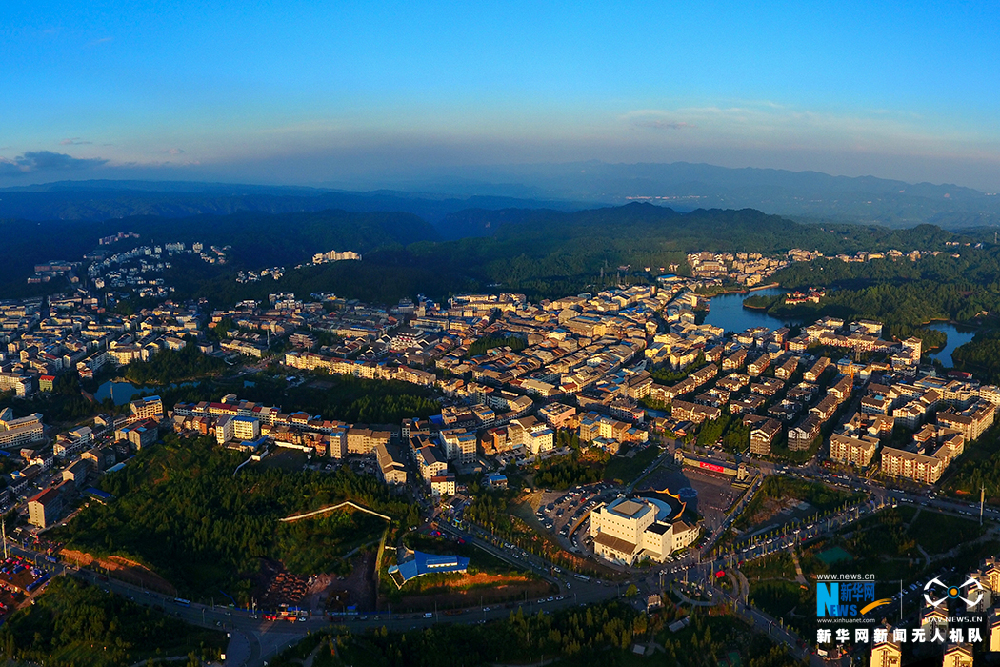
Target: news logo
column 937, row 593
column 846, row 599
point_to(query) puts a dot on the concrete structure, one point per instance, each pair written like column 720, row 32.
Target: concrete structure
column 390, row 464
column 856, row 451
column 77, row 473
column 140, row 434
column 442, row 485
column 245, row 428
column 762, row 435
column 459, row 445
column 364, row 440
column 20, row 431
column 147, row 407
column 628, row 529
column 886, row 654
column 224, row 429
column 958, row 655
column 44, row 509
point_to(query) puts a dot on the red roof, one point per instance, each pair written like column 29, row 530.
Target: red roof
column 45, row 497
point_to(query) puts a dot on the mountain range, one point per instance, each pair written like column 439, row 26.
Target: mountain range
column 803, row 196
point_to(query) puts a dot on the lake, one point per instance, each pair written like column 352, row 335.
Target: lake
column 957, row 336
column 727, row 311
column 122, row 392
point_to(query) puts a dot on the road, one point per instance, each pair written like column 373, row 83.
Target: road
column 254, row 640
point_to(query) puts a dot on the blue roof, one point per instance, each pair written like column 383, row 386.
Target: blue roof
column 97, row 493
column 422, row 564
column 436, row 419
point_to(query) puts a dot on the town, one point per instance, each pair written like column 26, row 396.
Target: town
column 700, row 419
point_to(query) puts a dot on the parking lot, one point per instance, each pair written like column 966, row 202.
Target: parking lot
column 560, row 512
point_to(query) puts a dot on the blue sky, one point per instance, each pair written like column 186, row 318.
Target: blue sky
column 368, row 93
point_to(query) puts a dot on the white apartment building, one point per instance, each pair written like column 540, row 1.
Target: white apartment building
column 224, row 429
column 245, row 428
column 459, row 445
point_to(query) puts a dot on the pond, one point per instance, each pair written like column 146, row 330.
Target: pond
column 121, row 392
column 727, row 311
column 957, row 336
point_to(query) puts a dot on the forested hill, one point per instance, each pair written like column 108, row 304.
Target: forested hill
column 544, row 253
column 652, row 228
column 258, row 240
column 549, row 253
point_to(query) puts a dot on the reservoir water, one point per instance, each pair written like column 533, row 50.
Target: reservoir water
column 727, row 311
column 957, row 336
column 121, row 392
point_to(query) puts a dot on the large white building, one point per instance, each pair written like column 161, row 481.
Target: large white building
column 20, row 431
column 459, row 445
column 628, row 529
column 245, row 428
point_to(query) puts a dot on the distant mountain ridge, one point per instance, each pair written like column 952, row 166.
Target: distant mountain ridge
column 446, row 200
column 805, row 195
column 105, row 200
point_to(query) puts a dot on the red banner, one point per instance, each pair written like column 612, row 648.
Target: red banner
column 711, row 466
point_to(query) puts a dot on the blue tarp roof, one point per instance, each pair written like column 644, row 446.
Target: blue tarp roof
column 97, row 493
column 422, row 564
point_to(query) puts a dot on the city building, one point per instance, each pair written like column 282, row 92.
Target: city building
column 148, row 407
column 45, row 508
column 855, row 451
column 390, row 464
column 762, row 434
column 245, row 428
column 628, row 529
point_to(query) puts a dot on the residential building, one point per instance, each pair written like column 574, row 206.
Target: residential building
column 390, row 464
column 77, row 473
column 148, row 407
column 442, row 486
column 972, row 422
column 364, row 440
column 856, row 451
column 45, row 508
column 887, row 653
column 224, row 428
column 459, row 445
column 140, row 434
column 21, row 431
column 245, row 428
column 762, row 435
column 802, row 435
column 812, row 375
column 958, row 655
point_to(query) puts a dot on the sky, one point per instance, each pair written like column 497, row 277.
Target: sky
column 369, row 94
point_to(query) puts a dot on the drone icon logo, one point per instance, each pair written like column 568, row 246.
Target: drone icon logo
column 970, row 592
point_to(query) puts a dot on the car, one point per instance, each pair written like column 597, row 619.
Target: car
column 302, row 619
column 428, row 615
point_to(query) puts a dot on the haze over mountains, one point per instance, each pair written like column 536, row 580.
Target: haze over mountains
column 564, row 187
